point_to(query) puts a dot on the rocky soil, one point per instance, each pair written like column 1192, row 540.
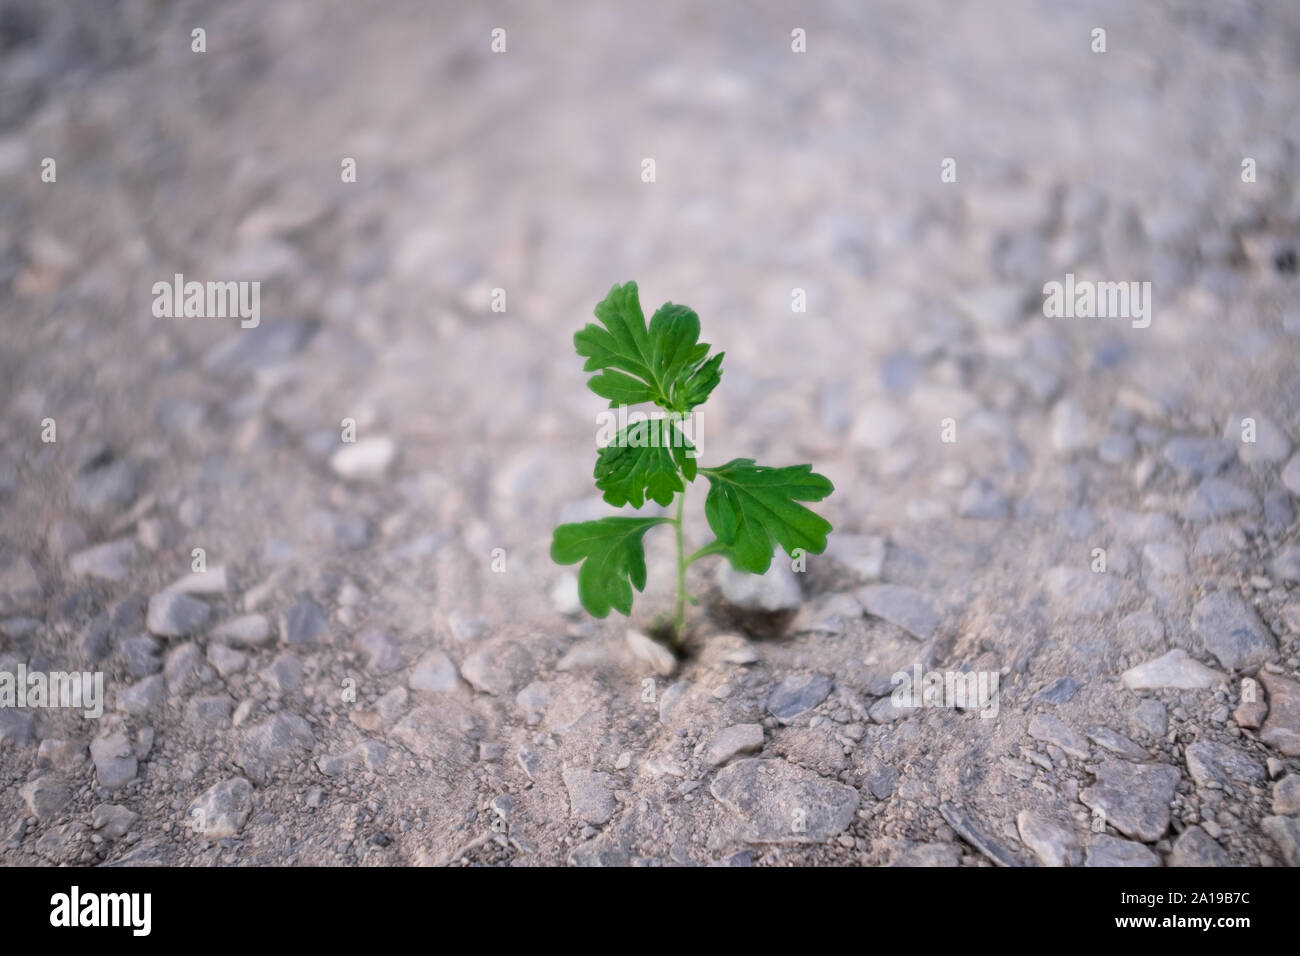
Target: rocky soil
column 381, row 665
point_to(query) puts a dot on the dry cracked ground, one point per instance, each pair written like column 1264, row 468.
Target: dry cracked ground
column 381, row 665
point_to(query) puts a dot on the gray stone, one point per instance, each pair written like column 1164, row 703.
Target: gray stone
column 1166, row 558
column 529, row 761
column 993, row 307
column 863, row 554
column 1286, row 795
column 140, row 654
column 95, row 641
column 498, row 667
column 1141, row 631
column 1080, row 592
column 18, row 627
column 1208, row 761
column 436, row 733
column 248, row 630
column 984, row 501
column 1175, row 670
column 1281, row 728
column 1287, row 565
column 902, row 606
column 382, row 651
column 1198, row 457
column 532, row 700
column 1070, row 431
column 590, row 796
column 368, row 754
column 976, row 836
column 211, row 581
column 184, row 668
column 775, row 591
column 65, row 536
column 1217, row 540
column 1271, row 443
column 274, row 743
column 878, row 426
column 1194, row 847
column 112, row 820
column 564, row 595
column 61, row 844
column 434, row 672
column 209, row 713
column 827, row 614
column 1116, row 448
column 885, row 711
column 929, row 855
column 105, row 490
column 16, row 727
column 1107, row 851
column 1291, row 475
column 1060, row 691
column 604, row 851
column 20, row 588
column 226, row 660
column 733, row 741
column 1052, row 730
column 1231, row 630
column 651, row 652
column 46, row 796
column 366, row 460
column 141, row 697
column 304, row 623
column 268, row 344
column 64, row 756
column 1278, row 513
column 109, row 561
column 1050, row 840
column 174, row 614
column 880, row 778
column 1115, row 742
column 1285, row 832
column 1134, row 798
column 797, row 694
column 1219, row 498
column 221, row 810
column 114, row 758
column 1252, row 709
column 776, row 802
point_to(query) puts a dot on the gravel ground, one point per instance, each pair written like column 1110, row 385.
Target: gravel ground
column 381, row 665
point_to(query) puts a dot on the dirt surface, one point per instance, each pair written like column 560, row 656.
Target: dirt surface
column 381, row 664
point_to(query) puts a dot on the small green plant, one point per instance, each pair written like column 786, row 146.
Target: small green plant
column 749, row 508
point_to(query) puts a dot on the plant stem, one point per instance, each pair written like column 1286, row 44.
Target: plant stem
column 679, row 619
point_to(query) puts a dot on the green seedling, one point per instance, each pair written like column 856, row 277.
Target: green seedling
column 750, row 508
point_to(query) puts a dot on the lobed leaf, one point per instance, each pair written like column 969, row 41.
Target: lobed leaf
column 612, row 553
column 645, row 460
column 665, row 363
column 752, row 508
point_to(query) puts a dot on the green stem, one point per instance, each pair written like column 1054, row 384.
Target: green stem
column 679, row 619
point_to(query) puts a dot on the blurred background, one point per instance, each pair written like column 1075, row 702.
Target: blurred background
column 522, row 171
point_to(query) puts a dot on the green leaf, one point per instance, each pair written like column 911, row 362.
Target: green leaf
column 613, row 560
column 665, row 364
column 752, row 508
column 645, row 459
